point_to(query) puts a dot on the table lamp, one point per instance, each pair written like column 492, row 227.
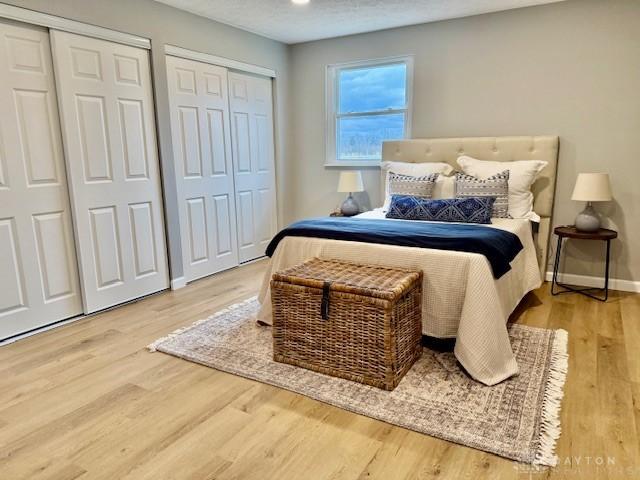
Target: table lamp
column 350, row 182
column 590, row 187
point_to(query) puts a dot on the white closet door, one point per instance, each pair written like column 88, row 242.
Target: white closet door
column 38, row 273
column 105, row 97
column 253, row 162
column 202, row 154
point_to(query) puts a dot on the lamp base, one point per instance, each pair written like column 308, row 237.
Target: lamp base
column 588, row 220
column 349, row 207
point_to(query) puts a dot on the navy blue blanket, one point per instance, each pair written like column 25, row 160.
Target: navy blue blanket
column 498, row 246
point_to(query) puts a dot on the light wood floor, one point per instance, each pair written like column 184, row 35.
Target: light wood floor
column 88, row 401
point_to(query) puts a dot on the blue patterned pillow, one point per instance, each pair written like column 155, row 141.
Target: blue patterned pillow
column 464, row 210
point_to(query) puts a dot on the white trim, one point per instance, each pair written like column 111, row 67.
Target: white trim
column 82, row 316
column 71, row 26
column 596, row 282
column 331, row 99
column 253, row 260
column 354, row 163
column 216, row 60
column 178, row 283
column 41, row 329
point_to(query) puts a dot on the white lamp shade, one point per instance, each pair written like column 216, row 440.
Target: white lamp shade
column 350, row 182
column 592, row 187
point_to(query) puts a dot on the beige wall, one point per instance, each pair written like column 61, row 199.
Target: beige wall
column 570, row 68
column 165, row 25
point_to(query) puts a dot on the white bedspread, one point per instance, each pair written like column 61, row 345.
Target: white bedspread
column 460, row 296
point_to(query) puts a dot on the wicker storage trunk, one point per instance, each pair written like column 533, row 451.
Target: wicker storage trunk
column 359, row 322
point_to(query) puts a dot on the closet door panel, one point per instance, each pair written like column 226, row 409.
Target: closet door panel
column 56, row 254
column 253, row 160
column 34, row 118
column 106, row 102
column 202, row 152
column 105, row 237
column 245, row 219
column 241, row 143
column 216, row 126
column 143, row 237
column 134, row 142
column 190, row 142
column 12, row 295
column 224, row 226
column 94, row 142
column 197, row 234
column 38, row 273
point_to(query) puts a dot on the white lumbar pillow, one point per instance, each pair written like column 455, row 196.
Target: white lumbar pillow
column 413, row 169
column 522, row 174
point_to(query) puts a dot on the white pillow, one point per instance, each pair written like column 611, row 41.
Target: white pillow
column 522, row 174
column 445, row 187
column 413, row 169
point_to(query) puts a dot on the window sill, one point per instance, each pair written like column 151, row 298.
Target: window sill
column 354, row 163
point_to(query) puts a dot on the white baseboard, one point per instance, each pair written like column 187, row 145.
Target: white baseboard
column 41, row 330
column 598, row 282
column 178, row 283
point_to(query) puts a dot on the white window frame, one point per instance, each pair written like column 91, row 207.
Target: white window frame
column 332, row 116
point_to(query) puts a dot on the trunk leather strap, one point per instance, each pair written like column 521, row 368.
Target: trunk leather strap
column 324, row 305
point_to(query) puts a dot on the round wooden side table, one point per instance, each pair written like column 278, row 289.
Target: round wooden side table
column 570, row 231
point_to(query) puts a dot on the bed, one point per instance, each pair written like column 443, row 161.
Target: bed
column 461, row 297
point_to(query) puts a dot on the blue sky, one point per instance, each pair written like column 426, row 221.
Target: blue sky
column 372, row 88
column 366, row 90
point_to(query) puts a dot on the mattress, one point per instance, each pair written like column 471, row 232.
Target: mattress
column 461, row 298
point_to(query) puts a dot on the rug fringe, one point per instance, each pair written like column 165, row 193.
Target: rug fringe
column 153, row 347
column 550, row 425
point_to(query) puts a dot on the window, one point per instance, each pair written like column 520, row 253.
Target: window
column 367, row 102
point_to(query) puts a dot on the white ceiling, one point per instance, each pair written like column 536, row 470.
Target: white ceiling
column 289, row 23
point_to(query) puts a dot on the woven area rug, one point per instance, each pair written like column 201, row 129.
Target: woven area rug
column 518, row 419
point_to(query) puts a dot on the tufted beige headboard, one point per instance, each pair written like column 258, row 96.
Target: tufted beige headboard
column 501, row 149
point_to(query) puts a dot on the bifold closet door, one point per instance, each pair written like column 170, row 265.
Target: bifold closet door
column 250, row 99
column 202, row 154
column 38, row 273
column 106, row 103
